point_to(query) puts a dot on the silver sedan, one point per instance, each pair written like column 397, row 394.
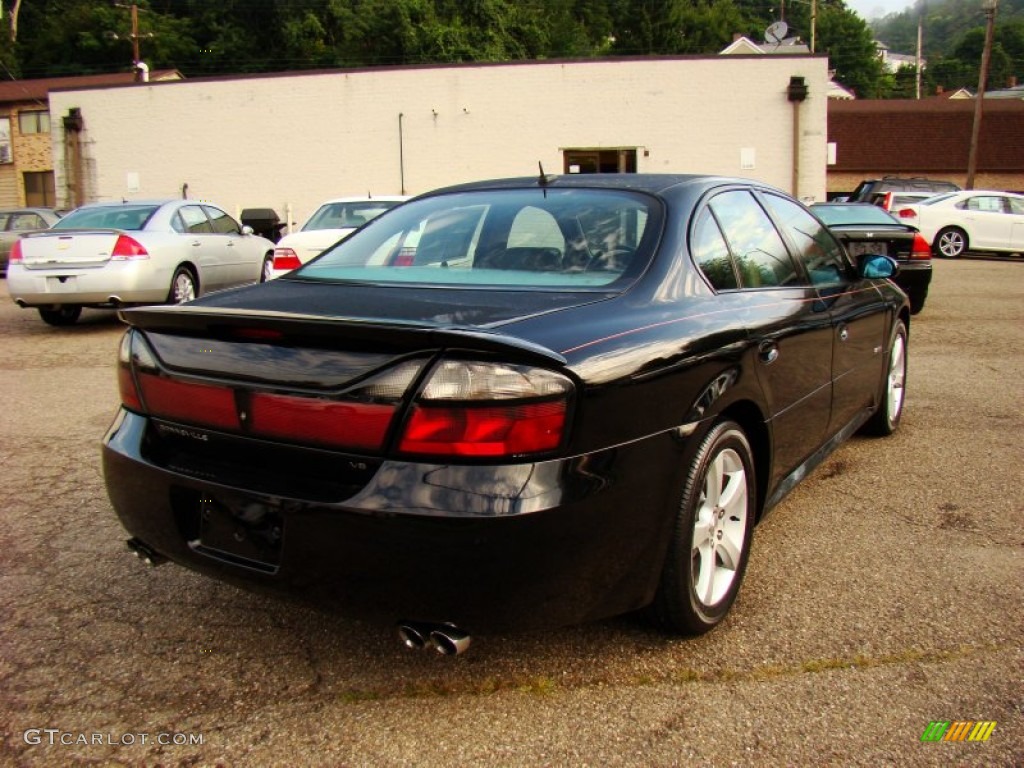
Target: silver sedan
column 118, row 254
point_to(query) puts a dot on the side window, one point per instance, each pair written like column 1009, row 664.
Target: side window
column 222, row 223
column 23, row 221
column 986, row 204
column 1016, row 206
column 712, row 254
column 195, row 220
column 754, row 242
column 817, row 249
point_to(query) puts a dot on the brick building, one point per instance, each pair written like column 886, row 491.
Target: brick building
column 930, row 137
column 26, row 151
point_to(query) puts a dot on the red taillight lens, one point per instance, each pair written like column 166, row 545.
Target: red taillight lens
column 920, row 248
column 307, row 419
column 15, row 256
column 485, row 431
column 488, row 410
column 128, row 248
column 127, row 357
column 286, row 258
column 206, row 404
column 907, row 213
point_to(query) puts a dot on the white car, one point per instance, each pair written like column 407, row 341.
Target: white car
column 111, row 255
column 333, row 221
column 975, row 220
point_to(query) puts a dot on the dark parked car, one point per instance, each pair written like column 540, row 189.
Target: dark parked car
column 866, row 228
column 869, row 189
column 510, row 404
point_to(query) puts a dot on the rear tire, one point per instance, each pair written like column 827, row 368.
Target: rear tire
column 183, row 286
column 950, row 242
column 268, row 268
column 917, row 299
column 66, row 314
column 886, row 419
column 711, row 542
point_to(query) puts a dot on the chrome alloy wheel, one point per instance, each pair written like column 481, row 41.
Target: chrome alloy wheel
column 897, row 374
column 184, row 288
column 720, row 528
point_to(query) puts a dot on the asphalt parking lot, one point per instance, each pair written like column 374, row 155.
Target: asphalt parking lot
column 885, row 593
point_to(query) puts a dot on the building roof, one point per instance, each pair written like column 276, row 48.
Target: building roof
column 897, row 135
column 37, row 90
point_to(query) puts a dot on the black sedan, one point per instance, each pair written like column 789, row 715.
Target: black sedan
column 510, row 404
column 865, row 228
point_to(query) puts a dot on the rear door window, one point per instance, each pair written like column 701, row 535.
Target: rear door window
column 760, row 253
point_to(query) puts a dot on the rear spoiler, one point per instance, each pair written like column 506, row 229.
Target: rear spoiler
column 327, row 331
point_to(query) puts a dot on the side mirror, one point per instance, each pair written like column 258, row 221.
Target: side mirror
column 874, row 267
column 247, row 230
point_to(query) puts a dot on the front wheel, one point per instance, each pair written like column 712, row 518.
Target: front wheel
column 711, row 542
column 950, row 242
column 887, row 418
column 183, row 286
column 65, row 314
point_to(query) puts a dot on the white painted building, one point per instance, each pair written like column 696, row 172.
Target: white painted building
column 293, row 140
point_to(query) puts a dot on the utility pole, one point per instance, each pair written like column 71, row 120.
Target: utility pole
column 920, row 35
column 989, row 7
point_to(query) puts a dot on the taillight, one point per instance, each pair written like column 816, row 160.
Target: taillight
column 920, row 249
column 286, row 259
column 127, row 248
column 887, row 201
column 15, row 256
column 357, row 419
column 488, row 410
column 907, row 213
column 126, row 385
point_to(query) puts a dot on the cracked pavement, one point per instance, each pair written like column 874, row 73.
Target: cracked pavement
column 884, row 593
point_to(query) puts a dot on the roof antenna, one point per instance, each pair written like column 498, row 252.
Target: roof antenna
column 544, row 180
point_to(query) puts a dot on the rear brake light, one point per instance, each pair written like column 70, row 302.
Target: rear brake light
column 491, row 431
column 887, row 201
column 488, row 410
column 353, row 425
column 907, row 213
column 286, row 259
column 194, row 403
column 128, row 248
column 920, row 248
column 15, row 256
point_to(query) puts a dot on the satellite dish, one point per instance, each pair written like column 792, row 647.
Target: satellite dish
column 776, row 33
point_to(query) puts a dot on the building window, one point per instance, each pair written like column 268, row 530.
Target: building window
column 599, row 160
column 40, row 190
column 37, row 121
column 5, row 140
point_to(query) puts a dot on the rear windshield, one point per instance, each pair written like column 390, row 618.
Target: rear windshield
column 113, row 217
column 347, row 215
column 549, row 238
column 853, row 214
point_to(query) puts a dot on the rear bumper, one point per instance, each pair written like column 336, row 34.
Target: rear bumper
column 485, row 547
column 914, row 275
column 118, row 282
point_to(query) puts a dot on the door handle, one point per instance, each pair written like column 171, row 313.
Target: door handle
column 844, row 332
column 768, row 352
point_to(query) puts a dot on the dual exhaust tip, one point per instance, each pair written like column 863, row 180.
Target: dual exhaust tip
column 145, row 553
column 445, row 639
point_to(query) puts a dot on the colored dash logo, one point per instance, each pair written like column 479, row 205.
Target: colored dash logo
column 958, row 730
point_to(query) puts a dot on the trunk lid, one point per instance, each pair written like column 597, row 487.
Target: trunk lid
column 68, row 248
